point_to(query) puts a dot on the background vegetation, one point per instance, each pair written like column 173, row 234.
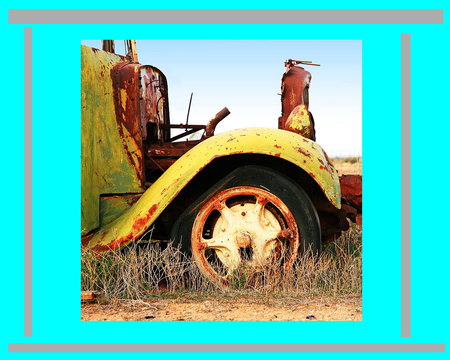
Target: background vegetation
column 141, row 272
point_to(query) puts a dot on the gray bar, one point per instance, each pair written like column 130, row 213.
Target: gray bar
column 27, row 172
column 231, row 348
column 406, row 186
column 226, row 16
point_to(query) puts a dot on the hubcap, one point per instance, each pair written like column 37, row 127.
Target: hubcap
column 244, row 239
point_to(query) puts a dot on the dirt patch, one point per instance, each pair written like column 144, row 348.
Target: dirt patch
column 228, row 309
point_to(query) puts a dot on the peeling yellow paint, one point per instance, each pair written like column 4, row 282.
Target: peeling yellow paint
column 104, row 165
column 300, row 122
column 289, row 146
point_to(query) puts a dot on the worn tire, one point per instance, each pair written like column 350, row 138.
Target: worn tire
column 288, row 205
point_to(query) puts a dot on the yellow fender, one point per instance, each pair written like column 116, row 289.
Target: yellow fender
column 286, row 145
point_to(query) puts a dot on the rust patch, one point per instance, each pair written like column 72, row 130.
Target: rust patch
column 122, row 241
column 327, row 158
column 85, row 239
column 312, row 175
column 277, row 146
column 140, row 222
column 125, row 82
column 303, row 152
column 136, row 229
column 351, row 189
column 277, row 154
column 293, row 83
column 211, row 126
column 326, row 169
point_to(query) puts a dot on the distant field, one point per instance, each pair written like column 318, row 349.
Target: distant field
column 348, row 165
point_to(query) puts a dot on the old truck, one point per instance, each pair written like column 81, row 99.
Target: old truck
column 241, row 198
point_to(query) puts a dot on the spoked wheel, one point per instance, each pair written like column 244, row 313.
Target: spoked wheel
column 246, row 227
column 252, row 219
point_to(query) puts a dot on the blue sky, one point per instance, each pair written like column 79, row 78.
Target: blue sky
column 245, row 76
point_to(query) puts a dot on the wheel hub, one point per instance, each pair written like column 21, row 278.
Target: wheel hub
column 244, row 239
column 249, row 228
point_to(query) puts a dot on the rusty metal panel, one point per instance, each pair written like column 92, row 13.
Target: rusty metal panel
column 351, row 188
column 293, row 84
column 278, row 143
column 162, row 156
column 154, row 104
column 111, row 153
column 127, row 106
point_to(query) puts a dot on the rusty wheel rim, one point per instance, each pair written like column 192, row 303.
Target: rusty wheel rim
column 246, row 227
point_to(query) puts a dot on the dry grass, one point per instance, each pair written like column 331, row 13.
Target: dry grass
column 138, row 273
column 348, row 165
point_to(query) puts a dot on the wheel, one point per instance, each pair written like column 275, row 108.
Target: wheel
column 253, row 217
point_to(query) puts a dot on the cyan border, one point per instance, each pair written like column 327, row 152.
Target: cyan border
column 317, row 16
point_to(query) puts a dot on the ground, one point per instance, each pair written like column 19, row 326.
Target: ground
column 247, row 308
column 167, row 306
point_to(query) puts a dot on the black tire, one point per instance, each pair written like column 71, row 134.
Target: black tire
column 259, row 177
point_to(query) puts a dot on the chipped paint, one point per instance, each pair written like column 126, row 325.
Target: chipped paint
column 304, row 152
column 126, row 138
column 299, row 121
column 111, row 155
column 155, row 200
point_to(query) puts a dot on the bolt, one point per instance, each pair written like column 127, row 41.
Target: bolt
column 223, row 229
column 243, row 213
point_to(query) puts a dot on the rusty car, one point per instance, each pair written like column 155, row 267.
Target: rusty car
column 239, row 198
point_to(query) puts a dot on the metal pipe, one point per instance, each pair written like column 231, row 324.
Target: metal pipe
column 211, row 126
